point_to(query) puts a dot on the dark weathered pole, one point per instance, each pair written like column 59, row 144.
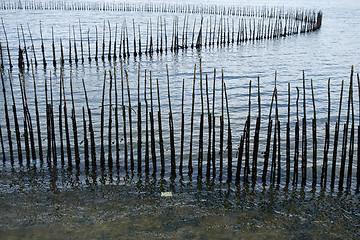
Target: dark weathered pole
column 208, row 162
column 213, row 153
column 7, row 120
column 74, row 125
column 161, row 141
column 314, row 170
column 139, row 125
column 146, row 129
column 182, row 130
column 32, row 45
column 91, row 130
column 25, row 48
column 288, row 140
column 304, row 139
column 42, row 47
column 256, row 138
column 326, row 144
column 86, row 142
column 130, row 124
column 102, row 150
column 67, row 135
column 7, row 45
column 110, row 160
column 192, row 124
column 201, row 128
column 336, row 137
column 229, row 139
column 17, row 131
column 152, row 128
column 124, row 119
column 2, row 146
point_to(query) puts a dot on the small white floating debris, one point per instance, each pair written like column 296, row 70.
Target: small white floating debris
column 166, row 194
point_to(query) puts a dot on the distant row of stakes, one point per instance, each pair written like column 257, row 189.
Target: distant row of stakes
column 229, row 26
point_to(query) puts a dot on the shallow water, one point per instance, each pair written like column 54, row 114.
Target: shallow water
column 42, row 203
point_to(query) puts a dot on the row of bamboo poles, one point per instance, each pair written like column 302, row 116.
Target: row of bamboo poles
column 133, row 149
column 159, row 39
column 243, row 11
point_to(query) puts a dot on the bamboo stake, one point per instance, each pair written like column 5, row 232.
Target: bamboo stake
column 304, row 140
column 89, row 51
column 139, row 123
column 256, row 138
column 91, row 130
column 7, row 46
column 2, row 146
column 213, row 153
column 70, row 59
column 336, row 137
column 161, row 141
column 42, row 47
column 288, row 140
column 109, row 54
column 192, row 124
column 102, row 150
column 53, row 140
column 326, row 144
column 74, row 125
column 344, row 146
column 26, row 132
column 182, row 130
column 7, row 120
column 25, row 48
column 130, row 124
column 62, row 156
column 208, row 164
column 152, row 129
column 67, row 135
column 201, row 129
column 17, row 131
column 86, row 143
column 229, row 139
column 81, row 44
column 53, row 46
column 314, row 172
column 110, row 160
column 124, row 120
column 75, row 49
column 32, row 45
column 146, row 130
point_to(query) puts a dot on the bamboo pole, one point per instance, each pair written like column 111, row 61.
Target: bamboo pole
column 102, row 150
column 8, row 127
column 74, row 125
column 110, row 159
column 336, row 137
column 91, row 130
column 229, row 139
column 314, row 170
column 124, row 120
column 192, row 125
column 146, row 129
column 130, row 124
column 67, row 134
column 152, row 129
column 161, row 141
column 326, row 145
column 7, row 44
column 139, row 123
column 16, row 123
